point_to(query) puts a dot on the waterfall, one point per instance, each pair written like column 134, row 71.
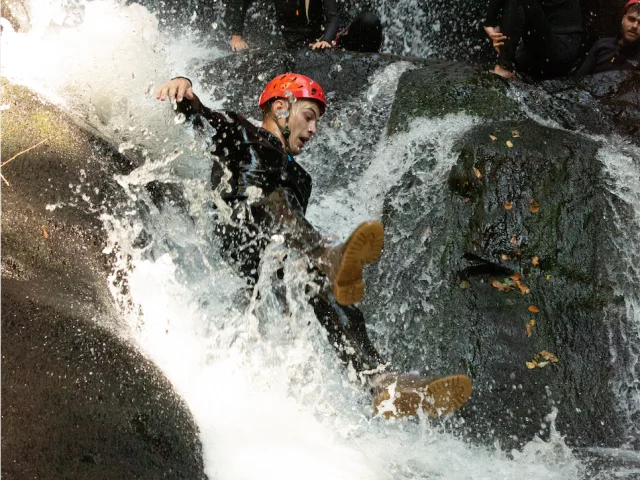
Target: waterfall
column 266, row 389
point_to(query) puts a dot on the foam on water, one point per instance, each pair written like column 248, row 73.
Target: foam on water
column 266, row 389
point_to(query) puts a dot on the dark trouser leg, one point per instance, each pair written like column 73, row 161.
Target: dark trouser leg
column 560, row 58
column 252, row 226
column 346, row 331
column 518, row 17
column 279, row 213
column 364, row 34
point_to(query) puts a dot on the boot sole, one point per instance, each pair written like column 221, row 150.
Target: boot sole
column 433, row 399
column 362, row 248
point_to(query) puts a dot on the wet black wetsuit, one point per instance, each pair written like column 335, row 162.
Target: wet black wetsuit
column 322, row 23
column 550, row 30
column 256, row 160
column 611, row 54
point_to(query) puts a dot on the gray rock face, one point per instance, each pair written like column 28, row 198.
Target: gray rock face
column 77, row 400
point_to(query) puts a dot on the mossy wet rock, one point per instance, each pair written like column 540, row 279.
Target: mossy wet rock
column 441, row 88
column 543, row 197
column 78, row 401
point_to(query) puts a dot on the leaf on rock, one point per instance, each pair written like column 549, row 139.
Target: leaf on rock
column 508, row 205
column 515, row 133
column 500, row 286
column 464, row 284
column 523, row 288
column 548, row 277
column 548, row 356
column 534, row 207
column 45, row 234
column 504, row 256
column 534, row 309
column 542, row 364
column 493, row 138
column 515, row 277
column 535, row 261
column 532, row 322
column 477, row 172
column 509, row 144
column 514, row 240
column 531, row 365
column 529, row 329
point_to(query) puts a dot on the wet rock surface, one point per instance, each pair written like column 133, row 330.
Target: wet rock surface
column 78, row 401
column 514, row 265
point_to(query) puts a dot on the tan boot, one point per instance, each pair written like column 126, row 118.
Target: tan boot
column 343, row 264
column 402, row 394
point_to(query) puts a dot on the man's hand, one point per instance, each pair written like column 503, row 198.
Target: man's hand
column 237, row 43
column 175, row 89
column 321, row 44
column 497, row 38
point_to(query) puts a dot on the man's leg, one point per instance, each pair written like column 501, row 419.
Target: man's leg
column 521, row 17
column 364, row 34
column 280, row 213
column 347, row 332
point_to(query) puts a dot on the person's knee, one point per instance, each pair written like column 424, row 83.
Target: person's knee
column 369, row 19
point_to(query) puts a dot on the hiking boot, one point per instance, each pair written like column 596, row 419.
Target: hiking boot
column 343, row 264
column 403, row 394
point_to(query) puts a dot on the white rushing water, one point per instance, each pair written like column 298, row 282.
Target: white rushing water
column 266, row 389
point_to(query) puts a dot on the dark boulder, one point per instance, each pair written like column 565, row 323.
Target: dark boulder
column 78, row 400
column 509, row 228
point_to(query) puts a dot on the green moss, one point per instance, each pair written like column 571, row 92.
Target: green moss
column 444, row 88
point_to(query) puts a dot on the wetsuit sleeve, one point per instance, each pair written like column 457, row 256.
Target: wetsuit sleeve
column 589, row 63
column 332, row 20
column 493, row 12
column 235, row 15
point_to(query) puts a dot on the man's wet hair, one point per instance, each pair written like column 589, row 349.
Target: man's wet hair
column 634, row 8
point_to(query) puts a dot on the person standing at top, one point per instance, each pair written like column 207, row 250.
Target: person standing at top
column 313, row 23
column 617, row 53
column 538, row 37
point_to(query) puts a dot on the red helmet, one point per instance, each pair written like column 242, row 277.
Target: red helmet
column 626, row 7
column 299, row 86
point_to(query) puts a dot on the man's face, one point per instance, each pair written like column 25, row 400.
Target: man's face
column 631, row 26
column 302, row 125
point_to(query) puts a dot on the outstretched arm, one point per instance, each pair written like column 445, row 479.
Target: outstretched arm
column 176, row 89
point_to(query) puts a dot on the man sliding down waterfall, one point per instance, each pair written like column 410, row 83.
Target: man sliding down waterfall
column 255, row 174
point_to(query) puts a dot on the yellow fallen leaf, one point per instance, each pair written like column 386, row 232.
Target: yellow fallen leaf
column 529, row 329
column 532, row 322
column 515, row 133
column 477, row 172
column 515, row 277
column 523, row 288
column 535, row 261
column 493, row 138
column 534, row 207
column 44, row 232
column 508, row 205
column 542, row 364
column 504, row 256
column 503, row 287
column 531, row 365
column 548, row 356
column 534, row 309
column 464, row 284
column 509, row 144
column 548, row 277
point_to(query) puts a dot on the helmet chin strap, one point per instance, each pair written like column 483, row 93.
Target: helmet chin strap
column 284, row 130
